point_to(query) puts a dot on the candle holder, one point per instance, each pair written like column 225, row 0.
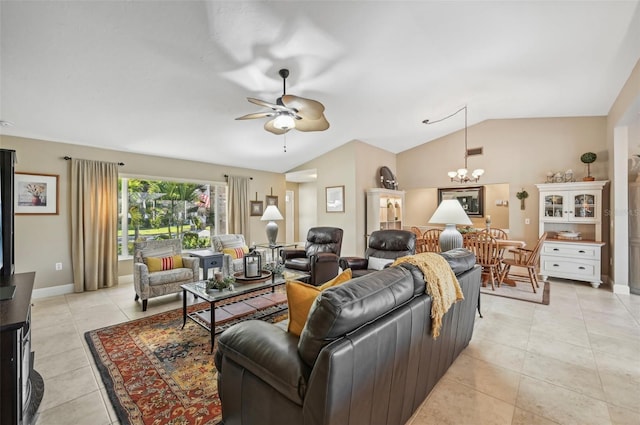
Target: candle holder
column 252, row 264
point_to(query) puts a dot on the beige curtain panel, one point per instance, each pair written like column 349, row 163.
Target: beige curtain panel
column 94, row 224
column 239, row 206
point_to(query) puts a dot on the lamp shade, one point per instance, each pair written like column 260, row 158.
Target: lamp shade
column 271, row 213
column 449, row 212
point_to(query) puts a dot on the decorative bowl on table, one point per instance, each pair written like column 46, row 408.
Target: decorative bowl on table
column 242, row 278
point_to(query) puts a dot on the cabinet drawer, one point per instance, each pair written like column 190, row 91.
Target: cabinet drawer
column 552, row 266
column 571, row 250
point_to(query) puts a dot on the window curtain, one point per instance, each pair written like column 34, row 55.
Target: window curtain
column 94, row 224
column 239, row 206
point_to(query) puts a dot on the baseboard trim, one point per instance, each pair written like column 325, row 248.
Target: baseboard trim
column 52, row 291
column 620, row 289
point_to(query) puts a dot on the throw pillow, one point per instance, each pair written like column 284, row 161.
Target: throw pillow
column 300, row 297
column 236, row 253
column 158, row 264
column 376, row 263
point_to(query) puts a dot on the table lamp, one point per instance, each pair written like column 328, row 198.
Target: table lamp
column 450, row 213
column 271, row 214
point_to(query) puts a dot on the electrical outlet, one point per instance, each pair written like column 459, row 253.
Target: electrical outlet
column 58, row 266
column 527, row 221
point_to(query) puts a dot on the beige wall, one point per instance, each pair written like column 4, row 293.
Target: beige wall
column 355, row 166
column 420, row 204
column 42, row 241
column 617, row 122
column 516, row 151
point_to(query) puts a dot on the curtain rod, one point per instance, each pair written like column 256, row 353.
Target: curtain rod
column 226, row 176
column 68, row 158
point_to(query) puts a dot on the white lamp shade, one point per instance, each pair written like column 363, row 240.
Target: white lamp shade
column 449, row 212
column 271, row 213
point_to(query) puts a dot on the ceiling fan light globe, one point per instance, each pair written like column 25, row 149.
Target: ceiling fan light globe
column 284, row 122
column 478, row 172
column 462, row 172
column 452, row 174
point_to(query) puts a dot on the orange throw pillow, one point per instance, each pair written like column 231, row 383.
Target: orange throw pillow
column 300, row 297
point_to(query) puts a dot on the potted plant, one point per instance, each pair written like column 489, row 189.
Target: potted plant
column 224, row 283
column 588, row 158
column 522, row 196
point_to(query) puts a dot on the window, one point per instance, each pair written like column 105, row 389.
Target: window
column 164, row 209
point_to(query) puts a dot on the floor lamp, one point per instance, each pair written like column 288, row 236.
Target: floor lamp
column 450, row 213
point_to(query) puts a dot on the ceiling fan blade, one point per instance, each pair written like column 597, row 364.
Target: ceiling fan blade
column 305, row 124
column 270, row 128
column 273, row 106
column 308, row 108
column 257, row 115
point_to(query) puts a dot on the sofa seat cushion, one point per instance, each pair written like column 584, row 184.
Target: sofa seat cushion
column 342, row 309
column 168, row 276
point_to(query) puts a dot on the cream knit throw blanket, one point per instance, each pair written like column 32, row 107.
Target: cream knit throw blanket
column 442, row 284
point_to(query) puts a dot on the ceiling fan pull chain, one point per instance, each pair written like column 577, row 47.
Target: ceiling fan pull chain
column 285, row 141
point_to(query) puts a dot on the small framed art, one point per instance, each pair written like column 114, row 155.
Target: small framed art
column 271, row 200
column 36, row 194
column 257, row 208
column 335, row 198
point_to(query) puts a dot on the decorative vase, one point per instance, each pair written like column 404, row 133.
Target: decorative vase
column 36, row 200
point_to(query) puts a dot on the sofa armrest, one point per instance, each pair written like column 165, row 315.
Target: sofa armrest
column 141, row 279
column 192, row 263
column 268, row 352
column 287, row 254
column 353, row 263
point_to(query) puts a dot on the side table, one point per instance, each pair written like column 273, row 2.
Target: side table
column 208, row 259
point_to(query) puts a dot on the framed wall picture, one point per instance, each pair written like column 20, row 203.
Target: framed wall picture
column 257, row 208
column 271, row 200
column 471, row 198
column 36, row 194
column 335, row 198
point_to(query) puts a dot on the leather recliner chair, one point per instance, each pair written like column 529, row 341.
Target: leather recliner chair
column 384, row 246
column 320, row 255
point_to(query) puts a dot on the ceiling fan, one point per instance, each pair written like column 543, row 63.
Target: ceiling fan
column 290, row 112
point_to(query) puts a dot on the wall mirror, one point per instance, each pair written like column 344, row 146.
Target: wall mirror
column 471, row 198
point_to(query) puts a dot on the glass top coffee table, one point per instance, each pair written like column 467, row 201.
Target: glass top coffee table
column 206, row 318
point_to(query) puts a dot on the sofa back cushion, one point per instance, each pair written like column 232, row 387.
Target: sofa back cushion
column 342, row 309
column 220, row 242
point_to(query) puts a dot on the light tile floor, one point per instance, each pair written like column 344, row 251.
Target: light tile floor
column 575, row 361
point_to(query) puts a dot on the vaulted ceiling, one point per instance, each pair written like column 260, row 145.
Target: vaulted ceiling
column 169, row 77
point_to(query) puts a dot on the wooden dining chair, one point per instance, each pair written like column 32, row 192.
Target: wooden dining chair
column 526, row 258
column 496, row 232
column 419, row 241
column 431, row 240
column 487, row 252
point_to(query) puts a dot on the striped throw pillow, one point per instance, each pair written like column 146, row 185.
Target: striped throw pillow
column 158, row 264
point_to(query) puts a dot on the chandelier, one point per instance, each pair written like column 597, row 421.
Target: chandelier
column 461, row 175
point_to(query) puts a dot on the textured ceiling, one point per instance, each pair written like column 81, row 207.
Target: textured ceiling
column 169, row 77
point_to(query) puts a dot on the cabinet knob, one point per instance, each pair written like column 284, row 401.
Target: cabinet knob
column 556, row 265
column 581, row 251
column 556, row 249
column 581, row 268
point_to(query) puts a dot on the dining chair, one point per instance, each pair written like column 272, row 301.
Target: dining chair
column 526, row 258
column 496, row 232
column 487, row 252
column 420, row 244
column 431, row 240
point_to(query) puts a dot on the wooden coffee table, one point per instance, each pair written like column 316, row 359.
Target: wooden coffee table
column 207, row 317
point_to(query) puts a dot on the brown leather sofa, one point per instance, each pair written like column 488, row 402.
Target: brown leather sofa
column 365, row 356
column 320, row 255
column 383, row 245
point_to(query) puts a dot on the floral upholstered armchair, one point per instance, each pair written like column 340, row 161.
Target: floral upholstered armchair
column 159, row 269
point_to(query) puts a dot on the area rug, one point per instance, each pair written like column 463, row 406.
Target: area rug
column 522, row 291
column 157, row 373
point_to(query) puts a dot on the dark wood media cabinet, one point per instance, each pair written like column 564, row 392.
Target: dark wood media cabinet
column 19, row 398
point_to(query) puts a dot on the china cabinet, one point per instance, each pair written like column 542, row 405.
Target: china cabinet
column 384, row 209
column 571, row 214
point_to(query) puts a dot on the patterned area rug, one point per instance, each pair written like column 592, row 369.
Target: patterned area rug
column 522, row 291
column 157, row 373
